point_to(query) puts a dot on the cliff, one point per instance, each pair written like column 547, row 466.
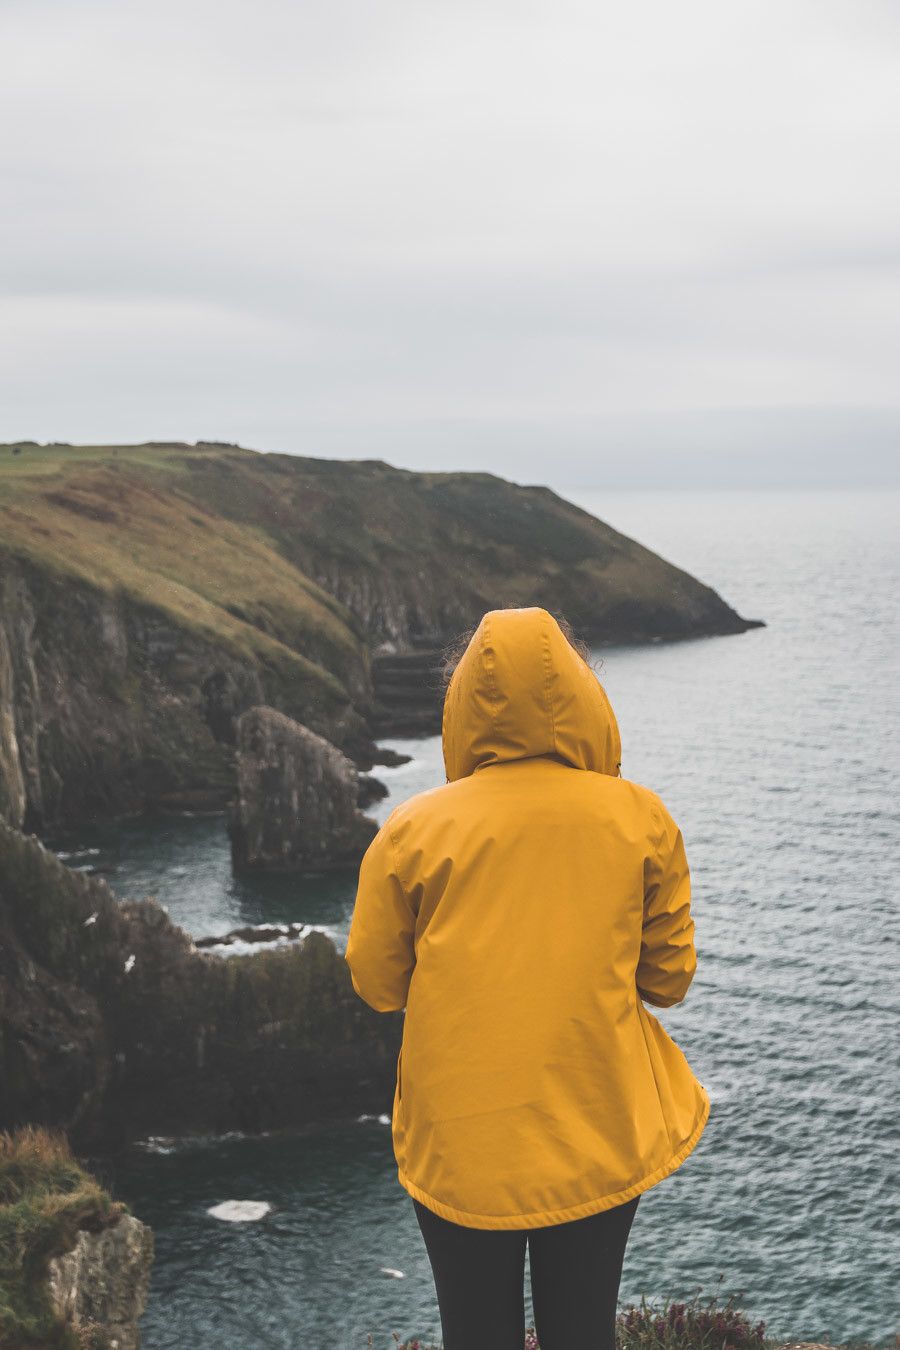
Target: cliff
column 113, row 1025
column 150, row 595
column 74, row 1266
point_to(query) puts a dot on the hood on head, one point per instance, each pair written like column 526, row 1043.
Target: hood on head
column 521, row 690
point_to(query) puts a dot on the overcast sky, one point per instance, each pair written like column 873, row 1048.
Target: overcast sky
column 585, row 243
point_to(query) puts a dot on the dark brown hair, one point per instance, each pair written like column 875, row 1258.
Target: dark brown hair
column 453, row 652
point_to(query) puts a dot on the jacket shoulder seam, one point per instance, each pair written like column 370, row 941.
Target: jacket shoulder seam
column 656, row 840
column 547, row 663
column 395, row 850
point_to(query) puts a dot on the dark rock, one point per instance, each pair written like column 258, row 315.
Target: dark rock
column 370, row 790
column 296, row 808
column 391, row 759
column 379, row 754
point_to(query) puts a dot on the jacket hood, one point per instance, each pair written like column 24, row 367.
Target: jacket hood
column 521, row 690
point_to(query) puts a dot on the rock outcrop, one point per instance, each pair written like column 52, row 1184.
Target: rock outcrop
column 104, row 1280
column 113, row 1025
column 296, row 807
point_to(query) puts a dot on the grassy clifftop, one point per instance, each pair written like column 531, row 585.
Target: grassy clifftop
column 315, row 553
column 126, row 519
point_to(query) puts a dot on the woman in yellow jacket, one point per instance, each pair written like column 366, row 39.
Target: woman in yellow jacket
column 523, row 914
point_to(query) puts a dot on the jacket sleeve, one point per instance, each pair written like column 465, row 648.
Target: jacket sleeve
column 381, row 948
column 668, row 957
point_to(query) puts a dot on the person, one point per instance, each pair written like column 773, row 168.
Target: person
column 523, row 914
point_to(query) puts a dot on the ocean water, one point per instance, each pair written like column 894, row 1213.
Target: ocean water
column 777, row 753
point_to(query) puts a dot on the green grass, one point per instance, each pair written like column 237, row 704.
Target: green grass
column 117, row 518
column 45, row 1198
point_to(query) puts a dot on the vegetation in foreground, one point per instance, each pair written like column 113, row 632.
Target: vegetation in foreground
column 700, row 1324
column 45, row 1198
column 703, row 1323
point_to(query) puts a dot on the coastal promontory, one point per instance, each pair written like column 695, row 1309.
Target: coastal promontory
column 151, row 594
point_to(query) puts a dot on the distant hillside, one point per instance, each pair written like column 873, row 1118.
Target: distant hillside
column 149, row 594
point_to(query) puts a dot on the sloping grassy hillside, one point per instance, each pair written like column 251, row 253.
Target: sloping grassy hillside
column 123, row 519
column 296, row 549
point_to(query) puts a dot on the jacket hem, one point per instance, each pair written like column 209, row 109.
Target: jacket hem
column 546, row 1217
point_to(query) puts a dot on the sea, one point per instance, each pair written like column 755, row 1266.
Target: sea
column 777, row 753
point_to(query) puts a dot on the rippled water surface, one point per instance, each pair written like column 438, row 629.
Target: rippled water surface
column 776, row 752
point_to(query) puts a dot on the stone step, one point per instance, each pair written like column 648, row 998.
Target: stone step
column 409, row 692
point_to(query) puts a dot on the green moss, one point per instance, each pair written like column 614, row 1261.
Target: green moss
column 45, row 1199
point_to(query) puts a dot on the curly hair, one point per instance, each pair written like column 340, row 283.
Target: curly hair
column 453, row 652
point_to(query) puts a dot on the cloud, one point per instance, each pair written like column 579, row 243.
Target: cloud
column 458, row 232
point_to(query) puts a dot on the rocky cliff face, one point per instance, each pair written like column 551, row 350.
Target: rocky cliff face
column 113, row 1025
column 103, row 1282
column 296, row 807
column 110, row 707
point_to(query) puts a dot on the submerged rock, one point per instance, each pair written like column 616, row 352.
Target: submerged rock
column 370, row 790
column 296, row 809
column 104, row 1281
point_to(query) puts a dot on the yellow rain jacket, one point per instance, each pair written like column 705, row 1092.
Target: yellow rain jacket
column 523, row 914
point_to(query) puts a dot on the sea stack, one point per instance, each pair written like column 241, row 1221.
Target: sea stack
column 297, row 799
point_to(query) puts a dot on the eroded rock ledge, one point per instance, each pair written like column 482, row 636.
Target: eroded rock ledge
column 113, row 1025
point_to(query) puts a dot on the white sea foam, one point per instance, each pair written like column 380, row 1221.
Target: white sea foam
column 240, row 1211
column 241, row 948
column 156, row 1143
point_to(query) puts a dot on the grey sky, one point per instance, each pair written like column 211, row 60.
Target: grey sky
column 576, row 242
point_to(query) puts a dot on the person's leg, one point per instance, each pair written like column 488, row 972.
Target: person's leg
column 575, row 1272
column 479, row 1278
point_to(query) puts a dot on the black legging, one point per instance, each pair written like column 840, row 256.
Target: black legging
column 479, row 1277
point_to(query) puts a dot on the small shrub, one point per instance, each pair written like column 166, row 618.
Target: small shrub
column 696, row 1325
